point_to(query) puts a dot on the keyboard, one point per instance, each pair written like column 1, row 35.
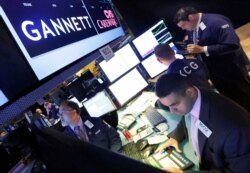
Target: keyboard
column 169, row 158
column 153, row 116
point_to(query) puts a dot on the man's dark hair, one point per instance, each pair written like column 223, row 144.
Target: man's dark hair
column 171, row 83
column 72, row 105
column 164, row 51
column 182, row 14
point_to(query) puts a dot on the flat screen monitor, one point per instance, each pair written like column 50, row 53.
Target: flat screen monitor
column 124, row 60
column 153, row 66
column 147, row 41
column 74, row 99
column 99, row 105
column 128, row 86
column 52, row 35
column 76, row 89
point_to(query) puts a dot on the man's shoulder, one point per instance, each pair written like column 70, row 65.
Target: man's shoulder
column 214, row 20
column 178, row 63
column 181, row 63
column 94, row 120
column 222, row 105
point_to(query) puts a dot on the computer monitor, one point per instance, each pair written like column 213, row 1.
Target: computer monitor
column 64, row 154
column 128, row 86
column 153, row 66
column 99, row 105
column 124, row 60
column 74, row 99
column 147, row 41
column 35, row 119
column 78, row 88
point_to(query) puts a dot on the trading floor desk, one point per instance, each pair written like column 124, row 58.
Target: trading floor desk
column 135, row 109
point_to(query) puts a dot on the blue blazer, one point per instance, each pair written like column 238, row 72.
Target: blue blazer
column 194, row 70
column 101, row 134
column 228, row 147
column 226, row 57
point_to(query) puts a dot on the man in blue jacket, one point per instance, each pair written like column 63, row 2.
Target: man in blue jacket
column 211, row 37
column 217, row 128
column 194, row 70
column 88, row 129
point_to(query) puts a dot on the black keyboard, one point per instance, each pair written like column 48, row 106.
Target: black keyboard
column 153, row 116
column 170, row 158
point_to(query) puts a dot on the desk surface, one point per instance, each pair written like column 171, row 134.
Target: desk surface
column 172, row 121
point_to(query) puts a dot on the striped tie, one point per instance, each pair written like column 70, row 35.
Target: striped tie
column 81, row 134
column 195, row 41
column 195, row 36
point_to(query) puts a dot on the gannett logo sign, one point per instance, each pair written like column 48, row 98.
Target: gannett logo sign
column 42, row 30
column 43, row 26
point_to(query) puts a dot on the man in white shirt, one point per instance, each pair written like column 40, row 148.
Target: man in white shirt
column 219, row 129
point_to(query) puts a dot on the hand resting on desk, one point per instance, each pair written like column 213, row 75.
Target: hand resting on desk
column 171, row 142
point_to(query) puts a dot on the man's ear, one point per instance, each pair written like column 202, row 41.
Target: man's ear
column 190, row 17
column 190, row 91
column 159, row 60
column 74, row 111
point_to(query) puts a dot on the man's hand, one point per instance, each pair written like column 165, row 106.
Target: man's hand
column 170, row 142
column 194, row 48
column 172, row 170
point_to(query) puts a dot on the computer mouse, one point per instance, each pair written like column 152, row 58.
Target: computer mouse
column 142, row 144
column 148, row 151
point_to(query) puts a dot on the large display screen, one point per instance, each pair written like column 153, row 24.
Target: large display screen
column 157, row 34
column 128, row 86
column 99, row 105
column 38, row 38
column 53, row 34
column 124, row 59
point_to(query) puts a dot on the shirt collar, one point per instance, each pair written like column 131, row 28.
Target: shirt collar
column 79, row 123
column 199, row 21
column 197, row 105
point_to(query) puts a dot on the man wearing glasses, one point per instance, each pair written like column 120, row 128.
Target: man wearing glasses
column 88, row 129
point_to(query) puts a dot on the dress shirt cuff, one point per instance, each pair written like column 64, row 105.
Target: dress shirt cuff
column 206, row 51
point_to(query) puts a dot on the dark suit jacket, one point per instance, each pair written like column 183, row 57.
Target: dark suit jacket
column 226, row 59
column 194, row 70
column 228, row 147
column 101, row 134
